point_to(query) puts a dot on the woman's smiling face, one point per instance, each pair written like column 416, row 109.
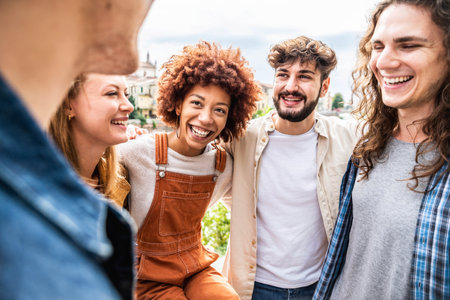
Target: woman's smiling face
column 202, row 117
column 101, row 111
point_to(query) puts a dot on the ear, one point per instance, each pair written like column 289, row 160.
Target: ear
column 68, row 110
column 325, row 86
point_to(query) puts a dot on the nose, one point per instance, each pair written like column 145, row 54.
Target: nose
column 386, row 59
column 205, row 116
column 291, row 84
column 125, row 104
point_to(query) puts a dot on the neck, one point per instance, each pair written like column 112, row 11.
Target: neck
column 179, row 146
column 293, row 128
column 88, row 161
column 411, row 123
column 39, row 67
column 89, row 153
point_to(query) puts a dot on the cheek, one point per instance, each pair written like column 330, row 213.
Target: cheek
column 373, row 63
column 221, row 123
column 277, row 88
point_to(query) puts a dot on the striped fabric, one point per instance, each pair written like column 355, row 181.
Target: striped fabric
column 430, row 275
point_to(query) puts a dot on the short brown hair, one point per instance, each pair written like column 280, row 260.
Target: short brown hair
column 306, row 50
column 208, row 64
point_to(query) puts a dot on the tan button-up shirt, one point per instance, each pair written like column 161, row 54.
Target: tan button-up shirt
column 336, row 139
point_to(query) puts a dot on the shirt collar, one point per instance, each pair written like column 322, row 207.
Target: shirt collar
column 319, row 126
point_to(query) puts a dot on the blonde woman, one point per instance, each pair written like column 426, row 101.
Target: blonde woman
column 89, row 122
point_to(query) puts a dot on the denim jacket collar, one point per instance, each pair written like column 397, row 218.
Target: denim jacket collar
column 42, row 178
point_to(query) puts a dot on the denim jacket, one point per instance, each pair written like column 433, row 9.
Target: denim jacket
column 56, row 238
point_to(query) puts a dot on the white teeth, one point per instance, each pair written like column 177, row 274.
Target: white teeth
column 199, row 131
column 293, row 99
column 395, row 80
column 119, row 122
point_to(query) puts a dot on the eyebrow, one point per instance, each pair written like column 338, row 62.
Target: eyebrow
column 197, row 95
column 403, row 39
column 303, row 71
column 113, row 85
column 203, row 98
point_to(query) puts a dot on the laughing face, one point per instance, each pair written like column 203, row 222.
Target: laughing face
column 100, row 112
column 297, row 89
column 203, row 115
column 408, row 59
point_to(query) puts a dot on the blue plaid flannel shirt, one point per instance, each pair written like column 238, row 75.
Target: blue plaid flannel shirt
column 430, row 270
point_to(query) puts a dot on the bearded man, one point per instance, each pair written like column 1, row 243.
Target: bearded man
column 287, row 171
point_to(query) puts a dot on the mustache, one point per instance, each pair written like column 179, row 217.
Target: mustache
column 294, row 94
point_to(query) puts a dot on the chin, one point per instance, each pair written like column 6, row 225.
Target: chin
column 121, row 60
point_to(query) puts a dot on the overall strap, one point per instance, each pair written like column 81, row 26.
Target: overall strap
column 161, row 148
column 221, row 159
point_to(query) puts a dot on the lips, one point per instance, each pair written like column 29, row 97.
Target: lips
column 292, row 98
column 120, row 121
column 200, row 132
column 396, row 80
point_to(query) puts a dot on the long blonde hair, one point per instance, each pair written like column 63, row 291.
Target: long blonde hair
column 60, row 131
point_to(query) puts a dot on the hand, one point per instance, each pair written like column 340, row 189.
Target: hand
column 133, row 131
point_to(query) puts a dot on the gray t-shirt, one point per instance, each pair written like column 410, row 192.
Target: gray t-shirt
column 385, row 211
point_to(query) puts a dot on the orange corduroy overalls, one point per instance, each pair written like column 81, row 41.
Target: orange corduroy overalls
column 172, row 262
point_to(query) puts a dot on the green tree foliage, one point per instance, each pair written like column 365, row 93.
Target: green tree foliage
column 261, row 112
column 142, row 119
column 216, row 228
column 338, row 101
column 134, row 112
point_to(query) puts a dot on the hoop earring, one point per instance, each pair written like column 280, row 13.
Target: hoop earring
column 177, row 127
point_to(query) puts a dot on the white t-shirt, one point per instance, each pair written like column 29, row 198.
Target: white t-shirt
column 138, row 157
column 291, row 236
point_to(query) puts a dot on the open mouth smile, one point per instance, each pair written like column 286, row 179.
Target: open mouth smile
column 123, row 123
column 200, row 132
column 396, row 80
column 292, row 100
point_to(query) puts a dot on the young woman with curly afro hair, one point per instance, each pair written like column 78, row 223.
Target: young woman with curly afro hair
column 207, row 94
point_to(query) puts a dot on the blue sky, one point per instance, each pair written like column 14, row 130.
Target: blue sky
column 254, row 26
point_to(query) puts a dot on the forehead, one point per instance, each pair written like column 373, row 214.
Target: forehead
column 100, row 80
column 401, row 20
column 298, row 67
column 209, row 92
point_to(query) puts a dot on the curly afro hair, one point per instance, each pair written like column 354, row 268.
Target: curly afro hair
column 208, row 64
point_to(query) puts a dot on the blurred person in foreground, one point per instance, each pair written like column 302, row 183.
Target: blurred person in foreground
column 392, row 238
column 207, row 95
column 86, row 126
column 286, row 176
column 56, row 240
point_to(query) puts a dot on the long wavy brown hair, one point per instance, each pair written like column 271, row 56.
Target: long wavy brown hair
column 381, row 121
column 207, row 63
column 59, row 130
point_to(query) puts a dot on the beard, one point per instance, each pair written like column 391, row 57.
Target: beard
column 299, row 115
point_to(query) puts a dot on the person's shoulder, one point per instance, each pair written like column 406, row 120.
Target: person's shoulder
column 256, row 122
column 336, row 125
column 140, row 142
